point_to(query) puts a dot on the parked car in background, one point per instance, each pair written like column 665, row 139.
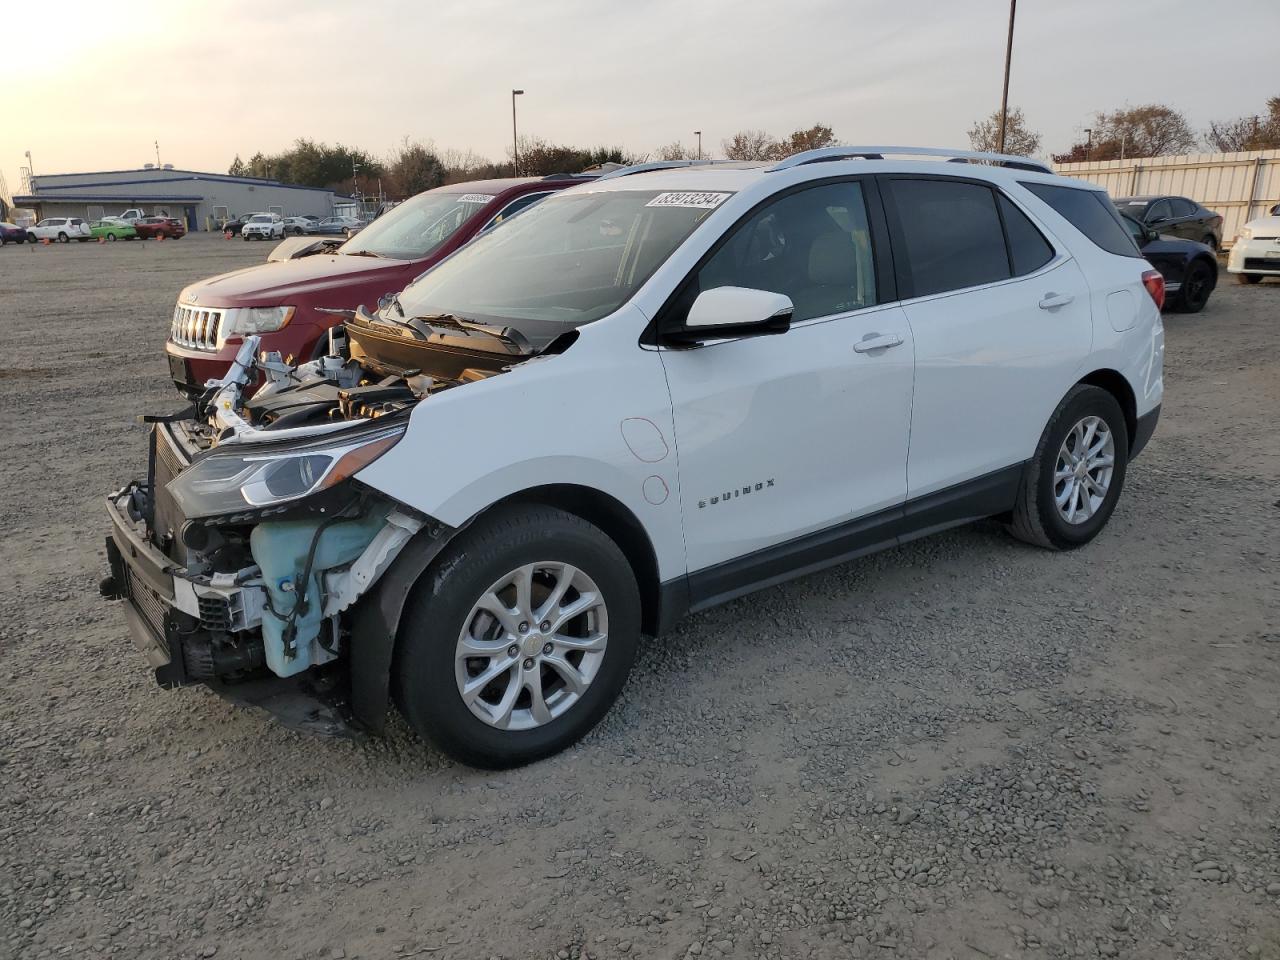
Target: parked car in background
column 1256, row 252
column 128, row 216
column 1176, row 217
column 1190, row 269
column 12, row 233
column 297, row 226
column 170, row 228
column 263, row 226
column 847, row 351
column 113, row 230
column 236, row 224
column 293, row 303
column 61, row 229
column 338, row 226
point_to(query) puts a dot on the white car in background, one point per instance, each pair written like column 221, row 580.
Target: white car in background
column 297, row 226
column 474, row 503
column 263, row 226
column 1256, row 252
column 60, row 229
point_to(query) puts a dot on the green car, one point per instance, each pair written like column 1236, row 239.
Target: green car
column 112, row 230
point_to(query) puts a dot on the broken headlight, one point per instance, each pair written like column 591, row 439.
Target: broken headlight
column 231, row 481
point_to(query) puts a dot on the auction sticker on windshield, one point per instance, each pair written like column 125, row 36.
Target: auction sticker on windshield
column 703, row 201
column 475, row 197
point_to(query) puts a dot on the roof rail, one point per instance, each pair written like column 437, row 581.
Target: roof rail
column 656, row 165
column 878, row 153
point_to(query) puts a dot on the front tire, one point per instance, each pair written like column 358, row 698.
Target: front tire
column 63, row 238
column 518, row 638
column 1070, row 488
column 1248, row 278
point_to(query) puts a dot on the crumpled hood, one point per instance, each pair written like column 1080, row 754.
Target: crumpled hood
column 270, row 284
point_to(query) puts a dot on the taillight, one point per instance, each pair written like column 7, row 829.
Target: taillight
column 1154, row 283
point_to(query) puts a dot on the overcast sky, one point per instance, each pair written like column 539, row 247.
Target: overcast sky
column 213, row 79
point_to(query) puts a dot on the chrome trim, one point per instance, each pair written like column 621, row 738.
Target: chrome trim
column 196, row 328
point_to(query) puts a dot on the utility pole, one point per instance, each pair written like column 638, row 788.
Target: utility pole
column 515, row 140
column 1004, row 96
column 698, row 134
column 1088, row 143
column 157, row 154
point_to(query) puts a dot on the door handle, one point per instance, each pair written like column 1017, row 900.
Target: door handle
column 877, row 341
column 1052, row 301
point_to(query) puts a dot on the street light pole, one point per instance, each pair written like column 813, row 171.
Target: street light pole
column 1004, row 96
column 698, row 134
column 1088, row 144
column 515, row 140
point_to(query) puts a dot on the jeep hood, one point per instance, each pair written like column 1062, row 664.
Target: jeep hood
column 337, row 276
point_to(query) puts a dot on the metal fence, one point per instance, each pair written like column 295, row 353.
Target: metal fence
column 1240, row 186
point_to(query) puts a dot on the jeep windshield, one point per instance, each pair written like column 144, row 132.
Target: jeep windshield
column 417, row 227
column 565, row 262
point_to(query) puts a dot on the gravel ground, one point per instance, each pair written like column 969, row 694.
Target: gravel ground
column 963, row 748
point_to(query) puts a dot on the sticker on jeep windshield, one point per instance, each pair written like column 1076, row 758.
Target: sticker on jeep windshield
column 475, row 197
column 701, row 201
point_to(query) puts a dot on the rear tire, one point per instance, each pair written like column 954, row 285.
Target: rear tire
column 501, row 725
column 1248, row 278
column 1038, row 515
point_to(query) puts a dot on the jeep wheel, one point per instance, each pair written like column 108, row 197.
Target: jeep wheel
column 1070, row 487
column 518, row 638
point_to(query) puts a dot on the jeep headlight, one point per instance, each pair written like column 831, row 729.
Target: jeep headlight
column 234, row 480
column 241, row 321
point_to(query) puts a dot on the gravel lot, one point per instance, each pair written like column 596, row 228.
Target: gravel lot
column 963, row 748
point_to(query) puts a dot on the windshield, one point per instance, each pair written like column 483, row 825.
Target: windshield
column 569, row 260
column 414, row 229
column 260, row 220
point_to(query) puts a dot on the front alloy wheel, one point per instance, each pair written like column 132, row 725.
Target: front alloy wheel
column 518, row 638
column 531, row 645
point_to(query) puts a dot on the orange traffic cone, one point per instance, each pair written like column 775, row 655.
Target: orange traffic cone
column 102, row 239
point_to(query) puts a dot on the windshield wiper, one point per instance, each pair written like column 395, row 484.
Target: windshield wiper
column 470, row 328
column 367, row 317
column 363, row 253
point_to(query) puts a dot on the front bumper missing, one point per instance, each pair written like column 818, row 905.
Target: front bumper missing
column 142, row 576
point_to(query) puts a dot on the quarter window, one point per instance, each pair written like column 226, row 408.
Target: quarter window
column 1028, row 249
column 951, row 232
column 1183, row 207
column 814, row 246
column 1090, row 212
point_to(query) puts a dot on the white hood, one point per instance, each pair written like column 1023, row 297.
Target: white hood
column 1266, row 226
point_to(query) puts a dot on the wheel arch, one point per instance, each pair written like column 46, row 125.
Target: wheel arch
column 375, row 624
column 1115, row 383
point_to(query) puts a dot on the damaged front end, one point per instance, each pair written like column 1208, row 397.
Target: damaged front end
column 244, row 554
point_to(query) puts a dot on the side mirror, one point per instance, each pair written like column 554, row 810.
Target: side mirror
column 731, row 312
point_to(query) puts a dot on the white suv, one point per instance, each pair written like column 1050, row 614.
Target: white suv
column 263, row 226
column 642, row 397
column 60, row 229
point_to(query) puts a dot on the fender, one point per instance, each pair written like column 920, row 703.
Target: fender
column 375, row 620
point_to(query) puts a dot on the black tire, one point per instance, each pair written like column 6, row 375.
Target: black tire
column 1196, row 287
column 111, row 237
column 1035, row 516
column 31, row 238
column 63, row 238
column 1248, row 278
column 244, row 237
column 424, row 675
column 1211, row 242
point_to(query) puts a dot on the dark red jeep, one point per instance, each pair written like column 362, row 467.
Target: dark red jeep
column 289, row 303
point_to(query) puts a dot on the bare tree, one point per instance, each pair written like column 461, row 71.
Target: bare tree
column 1151, row 130
column 1246, row 133
column 751, row 145
column 1019, row 139
column 675, row 151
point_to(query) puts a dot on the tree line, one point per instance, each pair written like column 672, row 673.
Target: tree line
column 1149, row 130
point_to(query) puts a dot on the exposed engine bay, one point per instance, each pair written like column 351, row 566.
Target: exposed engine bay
column 245, row 548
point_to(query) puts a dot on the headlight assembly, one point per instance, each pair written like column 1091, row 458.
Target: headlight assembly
column 239, row 321
column 252, row 477
column 1246, row 233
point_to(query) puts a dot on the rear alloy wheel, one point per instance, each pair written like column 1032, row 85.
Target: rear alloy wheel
column 1072, row 484
column 519, row 638
column 1196, row 287
column 1248, row 278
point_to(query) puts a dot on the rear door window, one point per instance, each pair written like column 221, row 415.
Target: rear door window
column 1183, row 207
column 1090, row 212
column 950, row 232
column 1028, row 249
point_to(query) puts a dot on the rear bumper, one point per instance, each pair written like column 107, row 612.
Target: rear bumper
column 1143, row 431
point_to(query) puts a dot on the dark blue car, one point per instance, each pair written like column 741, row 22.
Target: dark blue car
column 1190, row 269
column 11, row 233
